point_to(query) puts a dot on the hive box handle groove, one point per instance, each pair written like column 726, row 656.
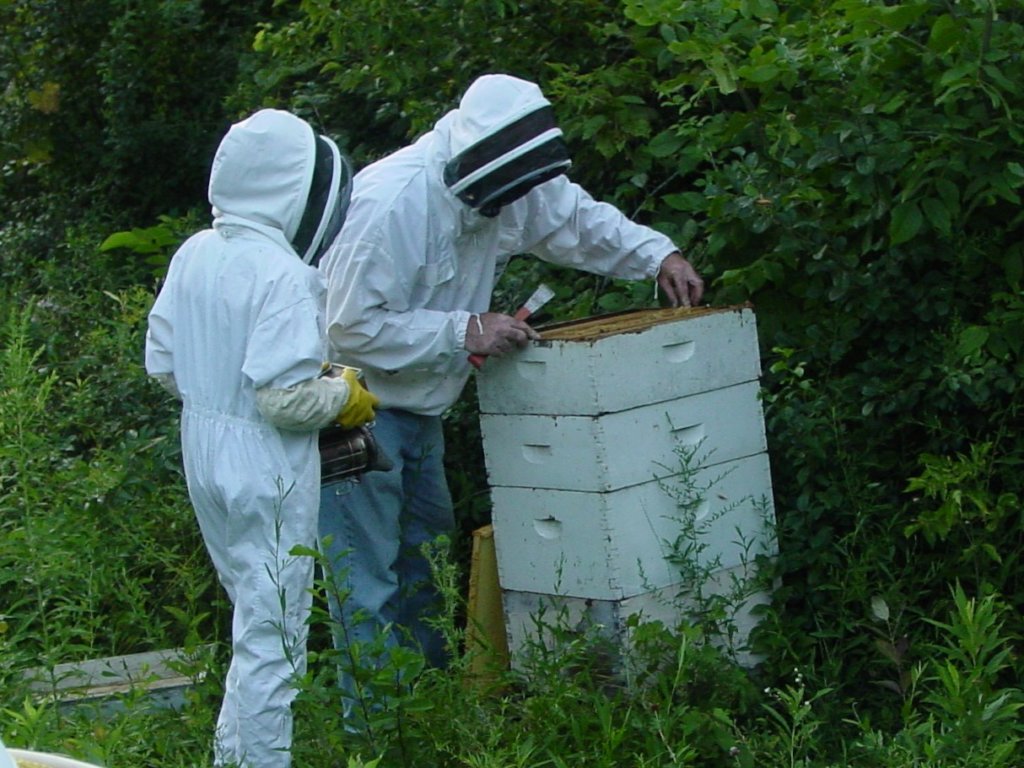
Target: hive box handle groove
column 680, row 351
column 536, row 454
column 548, row 528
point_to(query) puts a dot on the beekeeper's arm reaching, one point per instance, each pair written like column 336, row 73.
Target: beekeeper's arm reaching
column 307, row 406
column 317, row 403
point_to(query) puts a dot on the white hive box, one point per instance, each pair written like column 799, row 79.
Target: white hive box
column 627, row 460
column 534, row 621
column 616, row 450
column 609, row 546
column 616, row 362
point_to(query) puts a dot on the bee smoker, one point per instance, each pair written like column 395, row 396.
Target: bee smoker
column 346, row 453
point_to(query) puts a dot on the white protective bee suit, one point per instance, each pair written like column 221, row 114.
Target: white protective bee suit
column 237, row 332
column 414, row 262
column 429, row 231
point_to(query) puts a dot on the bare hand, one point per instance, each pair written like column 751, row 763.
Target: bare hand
column 680, row 281
column 497, row 334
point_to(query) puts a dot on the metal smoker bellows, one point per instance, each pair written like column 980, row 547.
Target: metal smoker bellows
column 348, row 453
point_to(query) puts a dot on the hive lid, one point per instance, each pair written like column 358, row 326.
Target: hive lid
column 630, row 321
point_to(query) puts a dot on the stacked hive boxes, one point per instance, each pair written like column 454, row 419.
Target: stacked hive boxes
column 628, row 469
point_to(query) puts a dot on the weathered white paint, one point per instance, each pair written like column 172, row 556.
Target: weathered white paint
column 534, row 621
column 666, row 361
column 619, row 544
column 585, row 438
column 616, row 450
column 159, row 674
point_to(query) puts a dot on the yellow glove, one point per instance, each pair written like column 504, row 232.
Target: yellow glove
column 359, row 408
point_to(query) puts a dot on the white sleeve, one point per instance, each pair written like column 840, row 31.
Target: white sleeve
column 160, row 342
column 370, row 317
column 160, row 334
column 563, row 224
column 304, row 407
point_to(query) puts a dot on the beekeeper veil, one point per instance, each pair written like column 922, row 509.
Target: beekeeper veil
column 504, row 142
column 327, row 203
column 272, row 172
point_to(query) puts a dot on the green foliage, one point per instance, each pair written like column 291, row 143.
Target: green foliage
column 161, row 92
column 115, row 104
column 853, row 168
column 792, row 723
column 156, row 244
column 564, row 704
column 93, row 551
column 375, row 73
column 562, row 707
column 967, row 715
column 960, row 489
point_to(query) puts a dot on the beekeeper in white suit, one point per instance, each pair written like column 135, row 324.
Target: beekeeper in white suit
column 429, row 231
column 237, row 332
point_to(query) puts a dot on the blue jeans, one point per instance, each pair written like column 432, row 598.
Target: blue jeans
column 374, row 530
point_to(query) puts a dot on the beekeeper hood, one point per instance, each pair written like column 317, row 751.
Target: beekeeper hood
column 273, row 173
column 504, row 142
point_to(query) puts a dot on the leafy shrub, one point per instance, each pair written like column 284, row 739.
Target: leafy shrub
column 114, row 104
column 99, row 538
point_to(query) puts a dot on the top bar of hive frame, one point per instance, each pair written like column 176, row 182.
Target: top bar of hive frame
column 600, row 326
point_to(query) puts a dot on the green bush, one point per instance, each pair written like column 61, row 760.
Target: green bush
column 854, row 169
column 100, row 554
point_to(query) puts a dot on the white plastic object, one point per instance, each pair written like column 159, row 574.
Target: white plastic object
column 24, row 758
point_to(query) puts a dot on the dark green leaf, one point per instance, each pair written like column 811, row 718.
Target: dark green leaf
column 937, row 214
column 905, row 223
column 971, row 340
column 665, row 143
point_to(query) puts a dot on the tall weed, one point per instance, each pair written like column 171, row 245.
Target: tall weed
column 99, row 538
column 966, row 703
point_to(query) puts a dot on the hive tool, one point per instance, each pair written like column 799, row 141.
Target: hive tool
column 537, row 299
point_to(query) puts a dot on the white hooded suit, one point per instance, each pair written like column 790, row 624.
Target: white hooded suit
column 413, row 262
column 240, row 317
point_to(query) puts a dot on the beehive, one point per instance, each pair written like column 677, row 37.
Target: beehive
column 616, row 362
column 533, row 620
column 626, row 453
column 598, row 452
column 610, row 546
